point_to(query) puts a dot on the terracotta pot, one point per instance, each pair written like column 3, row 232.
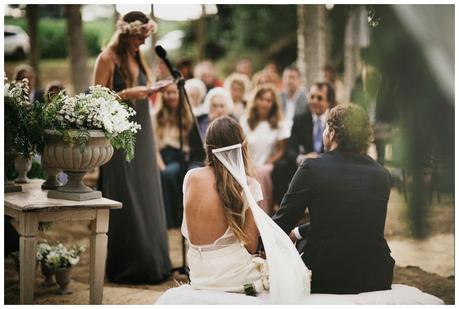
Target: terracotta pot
column 76, row 162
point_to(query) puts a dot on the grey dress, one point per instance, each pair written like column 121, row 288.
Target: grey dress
column 138, row 250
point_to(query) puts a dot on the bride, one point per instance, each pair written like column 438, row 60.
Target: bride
column 223, row 222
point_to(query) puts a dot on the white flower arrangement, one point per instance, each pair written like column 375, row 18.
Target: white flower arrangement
column 100, row 109
column 60, row 257
column 43, row 249
column 137, row 27
column 17, row 90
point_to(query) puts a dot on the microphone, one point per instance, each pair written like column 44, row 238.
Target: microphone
column 161, row 52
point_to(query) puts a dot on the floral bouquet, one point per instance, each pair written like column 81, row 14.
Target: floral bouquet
column 23, row 132
column 100, row 109
column 60, row 257
column 43, row 249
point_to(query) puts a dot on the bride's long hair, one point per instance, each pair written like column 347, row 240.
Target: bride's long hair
column 222, row 132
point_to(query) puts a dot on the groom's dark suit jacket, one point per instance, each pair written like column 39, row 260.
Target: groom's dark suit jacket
column 346, row 194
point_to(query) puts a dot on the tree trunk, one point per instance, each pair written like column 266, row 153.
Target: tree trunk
column 151, row 58
column 201, row 34
column 116, row 15
column 355, row 37
column 311, row 43
column 301, row 38
column 77, row 48
column 32, row 11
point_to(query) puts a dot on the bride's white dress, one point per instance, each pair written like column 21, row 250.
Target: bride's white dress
column 224, row 265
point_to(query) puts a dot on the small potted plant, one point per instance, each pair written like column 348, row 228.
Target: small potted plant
column 60, row 260
column 80, row 134
column 43, row 249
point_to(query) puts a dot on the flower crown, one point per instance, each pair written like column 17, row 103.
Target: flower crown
column 137, row 27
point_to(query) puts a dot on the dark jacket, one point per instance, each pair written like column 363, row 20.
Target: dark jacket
column 300, row 142
column 346, row 195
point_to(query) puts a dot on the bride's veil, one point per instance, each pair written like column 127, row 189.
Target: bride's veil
column 288, row 276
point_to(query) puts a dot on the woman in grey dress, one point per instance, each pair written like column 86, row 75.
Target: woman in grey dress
column 137, row 237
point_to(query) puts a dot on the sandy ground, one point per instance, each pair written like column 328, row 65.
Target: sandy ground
column 427, row 264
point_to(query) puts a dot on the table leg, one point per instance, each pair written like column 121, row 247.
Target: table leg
column 99, row 228
column 28, row 229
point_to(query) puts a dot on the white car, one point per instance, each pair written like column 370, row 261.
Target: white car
column 17, row 43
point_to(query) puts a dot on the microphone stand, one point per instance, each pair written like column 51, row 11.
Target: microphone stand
column 184, row 102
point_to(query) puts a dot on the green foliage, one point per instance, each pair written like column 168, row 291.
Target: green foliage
column 410, row 98
column 52, row 35
column 248, row 30
column 22, row 120
column 97, row 35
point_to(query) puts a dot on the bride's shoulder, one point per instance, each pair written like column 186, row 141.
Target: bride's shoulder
column 199, row 174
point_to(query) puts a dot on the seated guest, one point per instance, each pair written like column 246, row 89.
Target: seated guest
column 219, row 103
column 27, row 72
column 244, row 66
column 185, row 67
column 238, row 85
column 205, row 71
column 261, row 78
column 53, row 89
column 196, row 90
column 169, row 157
column 266, row 132
column 273, row 73
column 346, row 193
column 293, row 97
column 333, row 79
column 305, row 139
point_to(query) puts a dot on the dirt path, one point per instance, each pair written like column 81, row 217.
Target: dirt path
column 427, row 264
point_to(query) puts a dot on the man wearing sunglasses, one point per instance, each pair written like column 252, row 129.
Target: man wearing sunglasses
column 306, row 137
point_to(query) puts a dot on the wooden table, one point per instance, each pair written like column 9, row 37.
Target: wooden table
column 32, row 206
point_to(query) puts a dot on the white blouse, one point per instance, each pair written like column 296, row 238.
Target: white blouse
column 262, row 140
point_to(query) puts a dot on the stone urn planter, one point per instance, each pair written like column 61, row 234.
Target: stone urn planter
column 76, row 161
column 22, row 166
column 51, row 182
column 63, row 277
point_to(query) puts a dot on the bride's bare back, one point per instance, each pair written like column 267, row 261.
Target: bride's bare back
column 204, row 213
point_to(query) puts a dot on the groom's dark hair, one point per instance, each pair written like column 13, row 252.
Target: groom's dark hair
column 352, row 127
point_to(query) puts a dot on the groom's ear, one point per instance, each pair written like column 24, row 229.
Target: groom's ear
column 331, row 134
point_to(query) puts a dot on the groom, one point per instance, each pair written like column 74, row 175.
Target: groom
column 346, row 193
